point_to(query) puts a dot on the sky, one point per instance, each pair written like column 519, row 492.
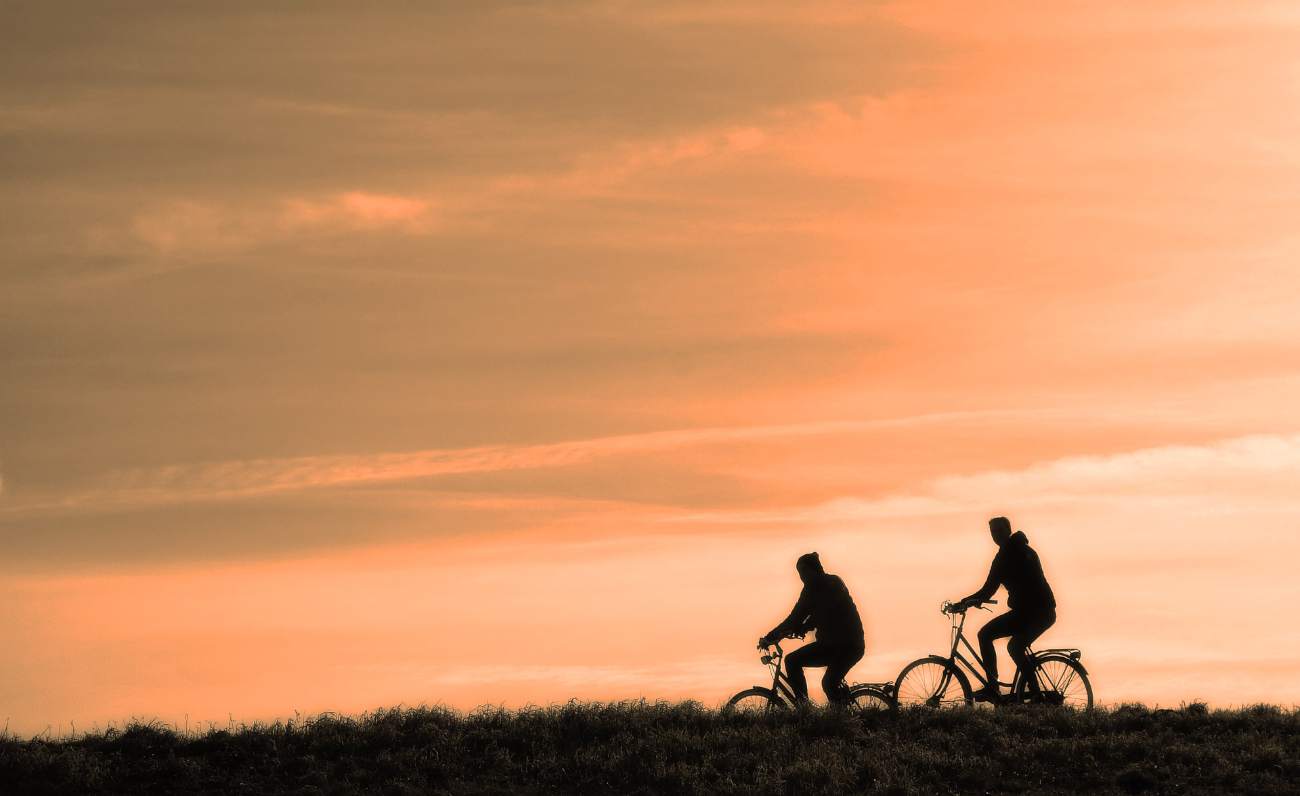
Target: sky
column 511, row 352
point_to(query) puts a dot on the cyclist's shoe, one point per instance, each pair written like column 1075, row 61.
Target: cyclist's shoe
column 988, row 693
column 1034, row 696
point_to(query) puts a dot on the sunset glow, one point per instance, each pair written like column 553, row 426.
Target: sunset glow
column 510, row 353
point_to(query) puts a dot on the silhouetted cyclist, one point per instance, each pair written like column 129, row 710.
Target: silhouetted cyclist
column 824, row 605
column 1032, row 604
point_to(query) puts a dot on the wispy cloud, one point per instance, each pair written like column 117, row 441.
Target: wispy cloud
column 361, row 210
column 185, row 226
column 1259, row 470
column 180, row 226
column 247, row 478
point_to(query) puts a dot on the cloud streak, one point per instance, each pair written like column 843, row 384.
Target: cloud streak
column 250, row 478
column 1256, row 470
column 188, row 226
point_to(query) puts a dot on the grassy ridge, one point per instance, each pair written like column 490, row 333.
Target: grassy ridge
column 673, row 748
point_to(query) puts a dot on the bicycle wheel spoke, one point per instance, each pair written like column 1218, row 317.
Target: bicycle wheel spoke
column 1065, row 682
column 1062, row 683
column 930, row 684
column 753, row 704
column 866, row 700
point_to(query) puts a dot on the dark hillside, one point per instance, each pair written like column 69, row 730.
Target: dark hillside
column 676, row 748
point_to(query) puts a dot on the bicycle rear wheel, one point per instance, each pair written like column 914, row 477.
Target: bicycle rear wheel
column 869, row 698
column 1063, row 682
column 756, row 701
column 932, row 682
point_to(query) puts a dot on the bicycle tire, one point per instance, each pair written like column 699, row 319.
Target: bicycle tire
column 755, row 696
column 922, row 689
column 1064, row 674
column 868, row 698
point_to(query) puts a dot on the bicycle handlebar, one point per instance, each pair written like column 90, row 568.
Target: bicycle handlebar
column 772, row 657
column 799, row 634
column 961, row 608
column 776, row 645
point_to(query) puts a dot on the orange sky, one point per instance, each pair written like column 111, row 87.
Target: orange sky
column 513, row 352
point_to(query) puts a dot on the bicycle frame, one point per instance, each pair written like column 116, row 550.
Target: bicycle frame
column 955, row 655
column 780, row 683
column 1047, row 675
column 975, row 664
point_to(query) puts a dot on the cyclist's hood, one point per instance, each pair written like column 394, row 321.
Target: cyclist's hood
column 1018, row 538
column 809, row 566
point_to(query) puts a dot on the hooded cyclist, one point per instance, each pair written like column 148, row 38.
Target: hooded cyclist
column 824, row 605
column 1032, row 604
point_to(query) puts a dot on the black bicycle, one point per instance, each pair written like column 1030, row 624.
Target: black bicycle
column 1058, row 676
column 780, row 697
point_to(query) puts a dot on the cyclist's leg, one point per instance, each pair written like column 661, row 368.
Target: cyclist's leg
column 997, row 627
column 1030, row 628
column 813, row 654
column 836, row 670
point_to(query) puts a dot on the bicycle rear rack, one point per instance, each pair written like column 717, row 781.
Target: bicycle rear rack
column 1066, row 651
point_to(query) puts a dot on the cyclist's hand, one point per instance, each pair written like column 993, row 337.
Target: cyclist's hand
column 764, row 642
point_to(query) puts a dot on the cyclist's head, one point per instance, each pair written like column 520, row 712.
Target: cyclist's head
column 1000, row 527
column 809, row 566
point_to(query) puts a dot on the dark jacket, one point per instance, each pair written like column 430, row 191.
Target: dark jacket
column 1017, row 567
column 824, row 605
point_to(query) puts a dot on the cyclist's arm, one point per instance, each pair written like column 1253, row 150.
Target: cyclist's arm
column 796, row 620
column 985, row 592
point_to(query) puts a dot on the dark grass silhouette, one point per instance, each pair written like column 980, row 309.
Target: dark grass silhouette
column 672, row 748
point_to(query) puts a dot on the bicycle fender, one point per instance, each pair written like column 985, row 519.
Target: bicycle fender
column 941, row 660
column 1056, row 656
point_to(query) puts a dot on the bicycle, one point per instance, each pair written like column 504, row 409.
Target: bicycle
column 780, row 697
column 1059, row 677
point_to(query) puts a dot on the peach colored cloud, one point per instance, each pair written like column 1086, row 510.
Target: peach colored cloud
column 1257, row 471
column 184, row 226
column 236, row 479
column 187, row 226
column 361, row 210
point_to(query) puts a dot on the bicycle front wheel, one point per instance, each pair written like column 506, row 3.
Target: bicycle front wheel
column 867, row 699
column 1062, row 681
column 754, row 701
column 932, row 682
